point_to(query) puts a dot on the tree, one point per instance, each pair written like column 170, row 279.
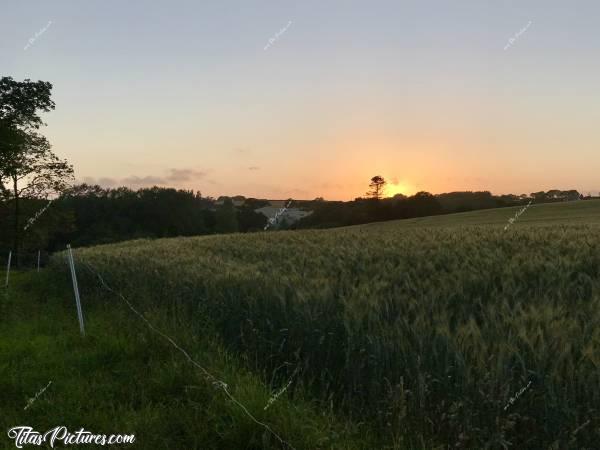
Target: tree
column 31, row 170
column 20, row 102
column 28, row 168
column 554, row 194
column 226, row 217
column 572, row 194
column 250, row 220
column 376, row 188
column 539, row 197
column 423, row 204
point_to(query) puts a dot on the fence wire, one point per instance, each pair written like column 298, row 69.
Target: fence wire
column 217, row 383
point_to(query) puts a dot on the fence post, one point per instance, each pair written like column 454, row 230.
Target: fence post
column 8, row 266
column 76, row 289
column 38, row 265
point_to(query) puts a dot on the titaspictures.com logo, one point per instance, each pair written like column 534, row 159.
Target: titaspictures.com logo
column 24, row 435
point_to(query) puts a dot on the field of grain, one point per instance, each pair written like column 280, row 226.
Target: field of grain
column 438, row 332
column 568, row 213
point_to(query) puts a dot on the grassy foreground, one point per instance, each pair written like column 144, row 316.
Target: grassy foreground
column 124, row 379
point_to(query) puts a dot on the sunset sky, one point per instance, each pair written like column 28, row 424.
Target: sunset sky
column 431, row 95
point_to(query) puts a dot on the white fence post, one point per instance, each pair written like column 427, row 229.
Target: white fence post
column 38, row 266
column 76, row 289
column 8, row 267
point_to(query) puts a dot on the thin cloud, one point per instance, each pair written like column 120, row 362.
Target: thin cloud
column 184, row 174
column 253, row 168
column 143, row 181
column 104, row 181
column 173, row 177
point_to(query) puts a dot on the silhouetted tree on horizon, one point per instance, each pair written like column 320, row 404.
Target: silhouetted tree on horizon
column 376, row 187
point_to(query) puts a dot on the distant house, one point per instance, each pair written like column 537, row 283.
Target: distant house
column 290, row 215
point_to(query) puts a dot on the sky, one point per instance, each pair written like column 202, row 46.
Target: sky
column 277, row 99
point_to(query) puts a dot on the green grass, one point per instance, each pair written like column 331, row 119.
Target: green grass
column 410, row 334
column 123, row 378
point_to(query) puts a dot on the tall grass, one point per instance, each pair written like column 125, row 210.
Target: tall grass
column 122, row 378
column 425, row 333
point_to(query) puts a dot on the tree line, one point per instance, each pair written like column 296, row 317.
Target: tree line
column 89, row 215
column 375, row 207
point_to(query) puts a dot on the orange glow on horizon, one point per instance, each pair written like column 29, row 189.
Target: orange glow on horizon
column 392, row 189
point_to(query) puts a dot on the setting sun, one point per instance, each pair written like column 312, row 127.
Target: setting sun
column 397, row 188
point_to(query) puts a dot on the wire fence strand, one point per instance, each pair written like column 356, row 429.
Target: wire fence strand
column 217, row 383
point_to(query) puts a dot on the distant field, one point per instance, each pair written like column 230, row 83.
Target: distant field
column 576, row 212
column 424, row 329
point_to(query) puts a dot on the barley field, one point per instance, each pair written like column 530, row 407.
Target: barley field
column 439, row 332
